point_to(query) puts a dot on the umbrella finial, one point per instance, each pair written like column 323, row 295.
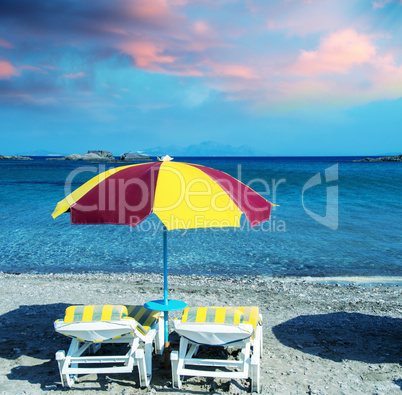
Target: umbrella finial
column 165, row 158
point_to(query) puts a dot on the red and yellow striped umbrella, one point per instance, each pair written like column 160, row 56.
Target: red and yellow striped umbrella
column 182, row 195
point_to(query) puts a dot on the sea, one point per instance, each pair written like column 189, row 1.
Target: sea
column 334, row 217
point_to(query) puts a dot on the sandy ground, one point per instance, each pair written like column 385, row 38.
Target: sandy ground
column 318, row 339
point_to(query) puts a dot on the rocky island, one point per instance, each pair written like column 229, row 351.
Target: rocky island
column 104, row 156
column 14, row 157
column 129, row 156
column 394, row 158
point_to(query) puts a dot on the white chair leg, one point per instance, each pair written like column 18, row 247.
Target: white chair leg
column 174, row 359
column 68, row 379
column 255, row 359
column 257, row 347
column 61, row 358
column 255, row 373
column 159, row 341
column 142, row 369
column 148, row 360
column 259, row 329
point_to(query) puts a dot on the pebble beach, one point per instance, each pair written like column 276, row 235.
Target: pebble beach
column 338, row 337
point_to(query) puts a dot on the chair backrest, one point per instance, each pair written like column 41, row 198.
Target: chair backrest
column 217, row 315
column 144, row 317
column 95, row 313
column 251, row 315
column 215, row 325
column 97, row 323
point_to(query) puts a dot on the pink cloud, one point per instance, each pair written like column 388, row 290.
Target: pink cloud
column 151, row 57
column 7, row 70
column 201, row 27
column 232, row 70
column 382, row 83
column 113, row 30
column 80, row 74
column 383, row 3
column 302, row 18
column 378, row 79
column 146, row 54
column 146, row 15
column 386, row 80
column 147, row 9
column 6, row 44
column 337, row 53
column 33, row 68
column 155, row 13
column 344, row 61
column 271, row 24
column 165, row 40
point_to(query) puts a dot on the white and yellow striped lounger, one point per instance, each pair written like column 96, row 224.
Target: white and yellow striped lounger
column 239, row 327
column 94, row 325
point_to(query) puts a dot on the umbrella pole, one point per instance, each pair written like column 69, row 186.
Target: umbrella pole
column 165, row 297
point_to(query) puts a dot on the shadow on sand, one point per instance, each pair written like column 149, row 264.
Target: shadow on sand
column 27, row 335
column 340, row 336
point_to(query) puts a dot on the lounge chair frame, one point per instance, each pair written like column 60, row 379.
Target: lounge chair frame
column 247, row 366
column 81, row 354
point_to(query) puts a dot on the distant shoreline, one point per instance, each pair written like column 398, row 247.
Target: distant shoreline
column 177, row 158
column 393, row 158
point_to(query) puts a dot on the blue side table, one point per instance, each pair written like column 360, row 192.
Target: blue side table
column 159, row 305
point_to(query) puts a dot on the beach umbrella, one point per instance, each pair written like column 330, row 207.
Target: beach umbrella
column 181, row 195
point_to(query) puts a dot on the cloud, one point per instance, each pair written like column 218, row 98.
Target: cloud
column 303, row 18
column 337, row 53
column 386, row 81
column 156, row 34
column 345, row 69
column 146, row 54
column 80, row 74
column 292, row 51
column 158, row 57
column 383, row 3
column 97, row 23
column 32, row 68
column 149, row 10
column 6, row 44
column 7, row 70
column 363, row 80
column 231, row 70
column 201, row 27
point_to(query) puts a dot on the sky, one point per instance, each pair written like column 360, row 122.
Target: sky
column 285, row 77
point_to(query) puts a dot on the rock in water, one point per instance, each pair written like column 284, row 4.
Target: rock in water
column 102, row 154
column 15, row 157
column 129, row 156
column 91, row 155
column 395, row 158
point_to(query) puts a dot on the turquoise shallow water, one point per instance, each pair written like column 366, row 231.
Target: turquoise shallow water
column 367, row 241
